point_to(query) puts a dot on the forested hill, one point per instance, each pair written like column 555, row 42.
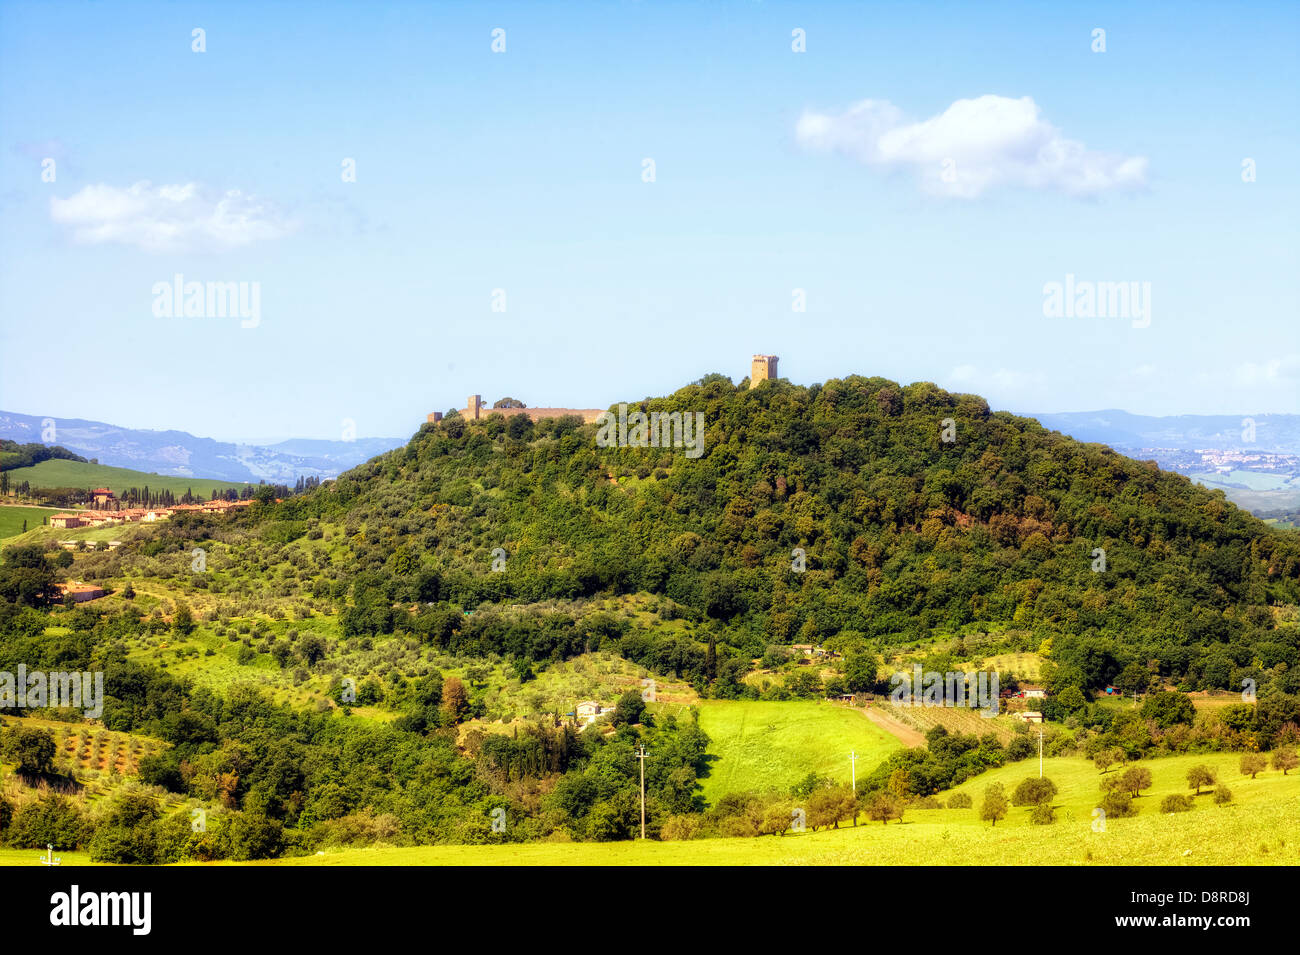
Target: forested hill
column 905, row 534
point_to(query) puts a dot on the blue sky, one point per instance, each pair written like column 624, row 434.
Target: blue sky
column 523, row 171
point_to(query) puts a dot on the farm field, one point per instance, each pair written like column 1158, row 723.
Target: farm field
column 955, row 719
column 1026, row 666
column 62, row 473
column 1250, row 480
column 1260, row 827
column 11, row 519
column 769, row 745
column 97, row 756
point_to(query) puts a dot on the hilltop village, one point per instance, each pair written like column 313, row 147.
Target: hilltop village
column 761, row 368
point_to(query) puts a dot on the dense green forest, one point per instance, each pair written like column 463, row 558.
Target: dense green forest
column 905, row 535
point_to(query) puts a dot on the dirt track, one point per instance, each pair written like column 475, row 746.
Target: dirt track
column 904, row 733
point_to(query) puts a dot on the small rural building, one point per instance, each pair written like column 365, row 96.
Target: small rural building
column 1032, row 692
column 810, row 651
column 103, row 497
column 82, row 592
column 1030, row 716
column 588, row 710
column 66, row 521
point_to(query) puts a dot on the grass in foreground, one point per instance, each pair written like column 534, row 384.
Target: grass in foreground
column 1260, row 827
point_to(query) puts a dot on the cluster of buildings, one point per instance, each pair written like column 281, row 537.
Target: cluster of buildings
column 477, row 410
column 1224, row 461
column 1026, row 692
column 761, row 368
column 108, row 510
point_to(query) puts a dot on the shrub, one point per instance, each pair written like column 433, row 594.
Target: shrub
column 1176, row 802
column 51, row 819
column 1034, row 791
column 1135, row 779
column 31, row 750
column 255, row 836
column 960, row 801
column 1222, row 794
column 1042, row 814
column 678, row 828
column 1021, row 747
column 123, row 846
column 1116, row 805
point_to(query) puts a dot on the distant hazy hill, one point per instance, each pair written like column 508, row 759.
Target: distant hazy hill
column 180, row 454
column 1122, row 430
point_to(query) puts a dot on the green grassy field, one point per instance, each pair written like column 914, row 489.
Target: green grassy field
column 11, row 519
column 61, row 473
column 1260, row 827
column 18, row 857
column 768, row 745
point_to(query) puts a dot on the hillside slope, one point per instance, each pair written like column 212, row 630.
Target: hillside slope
column 905, row 535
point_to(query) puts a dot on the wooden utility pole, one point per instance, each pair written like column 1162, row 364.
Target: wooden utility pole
column 1040, row 750
column 641, row 756
column 853, row 763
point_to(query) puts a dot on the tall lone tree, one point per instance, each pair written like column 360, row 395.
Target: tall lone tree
column 994, row 806
column 1199, row 776
column 1252, row 764
column 454, row 698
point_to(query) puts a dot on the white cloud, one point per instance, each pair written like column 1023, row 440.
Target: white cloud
column 1275, row 371
column 168, row 218
column 972, row 146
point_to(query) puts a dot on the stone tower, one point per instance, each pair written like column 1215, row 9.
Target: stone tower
column 475, row 407
column 761, row 368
